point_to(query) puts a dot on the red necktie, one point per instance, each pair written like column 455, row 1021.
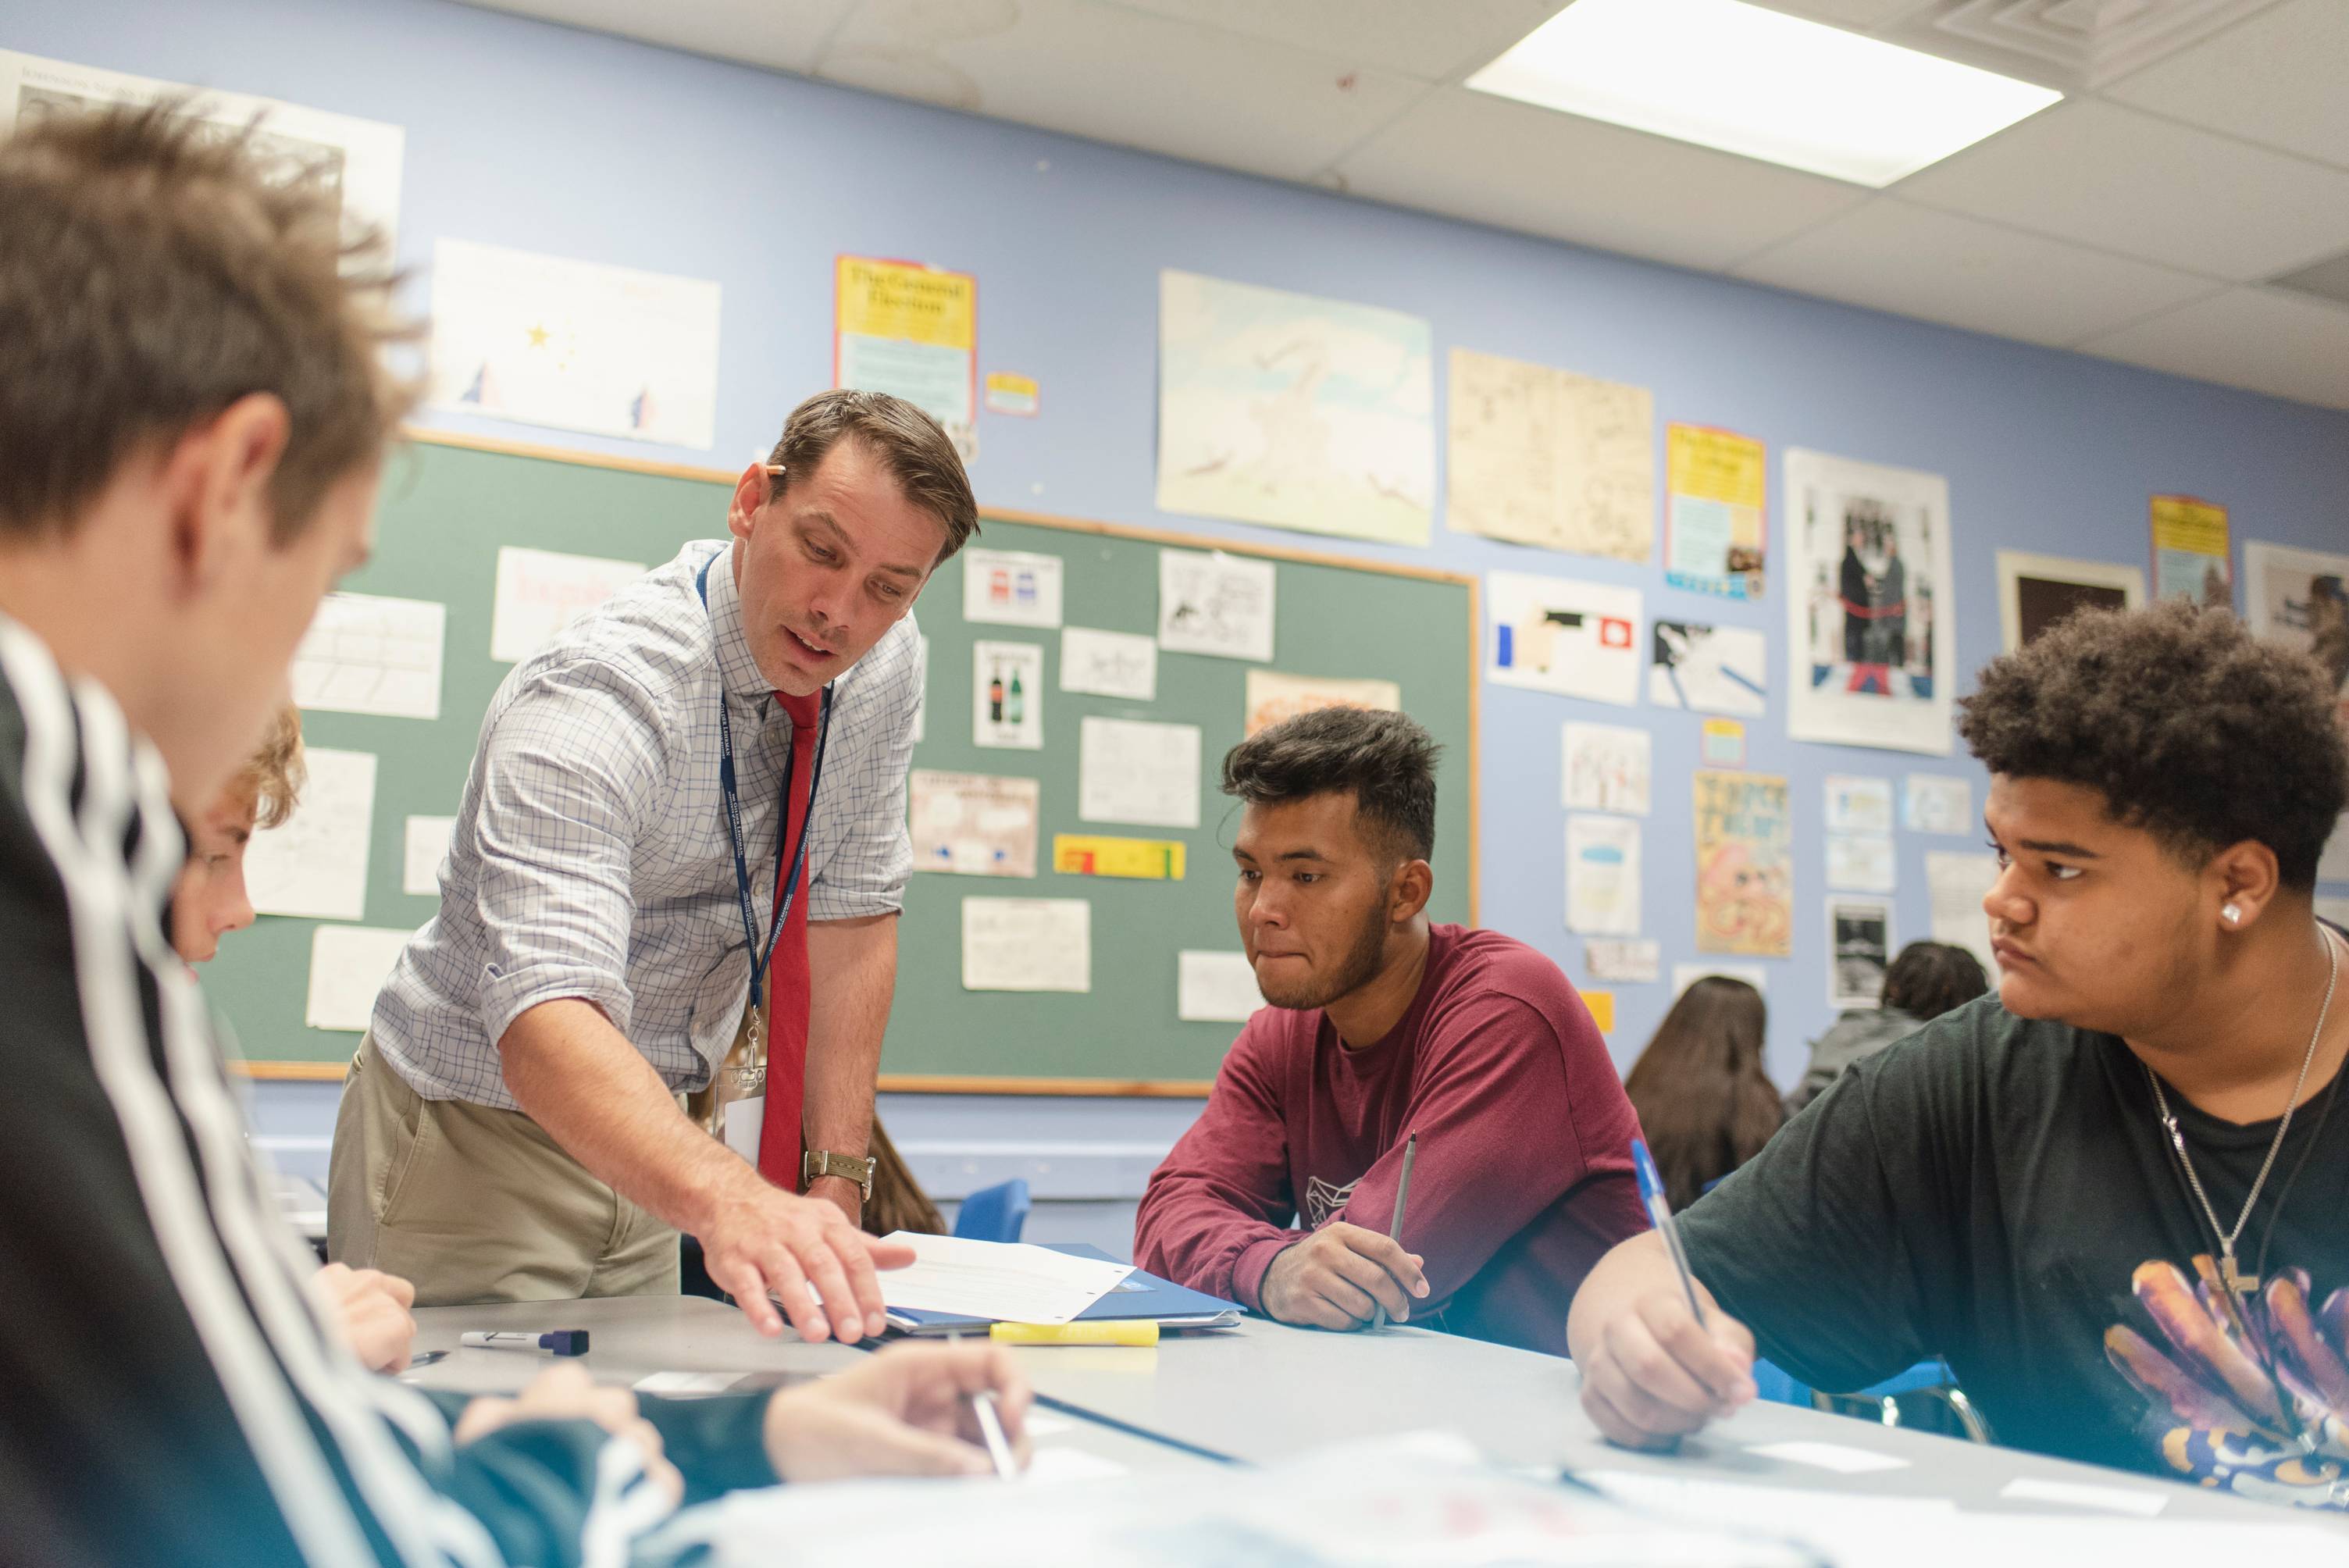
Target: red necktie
column 789, row 986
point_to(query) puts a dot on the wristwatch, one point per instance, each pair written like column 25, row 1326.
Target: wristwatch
column 818, row 1162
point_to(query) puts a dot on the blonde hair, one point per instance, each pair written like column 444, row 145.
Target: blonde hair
column 274, row 775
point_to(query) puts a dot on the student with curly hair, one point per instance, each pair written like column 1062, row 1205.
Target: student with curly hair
column 2110, row 1193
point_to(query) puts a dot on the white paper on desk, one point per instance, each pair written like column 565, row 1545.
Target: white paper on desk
column 1861, row 862
column 1960, row 882
column 1027, row 944
column 1133, row 771
column 1009, row 1282
column 1109, row 664
column 687, row 1385
column 1051, row 1467
column 541, row 592
column 1211, row 603
column 315, row 863
column 349, row 965
column 1010, row 588
column 1838, row 1457
column 366, row 653
column 2142, row 1502
column 426, row 846
column 1858, row 804
column 1215, row 987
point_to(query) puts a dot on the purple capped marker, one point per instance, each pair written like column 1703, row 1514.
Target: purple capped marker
column 554, row 1342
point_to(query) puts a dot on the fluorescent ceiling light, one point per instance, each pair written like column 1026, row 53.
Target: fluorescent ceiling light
column 1758, row 82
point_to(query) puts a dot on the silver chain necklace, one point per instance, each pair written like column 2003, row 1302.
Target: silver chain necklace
column 2235, row 1280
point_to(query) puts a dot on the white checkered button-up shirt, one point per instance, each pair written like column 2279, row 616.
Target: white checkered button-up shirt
column 591, row 858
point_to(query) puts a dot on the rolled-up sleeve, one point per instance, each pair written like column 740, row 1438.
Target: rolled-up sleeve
column 567, row 769
column 862, row 854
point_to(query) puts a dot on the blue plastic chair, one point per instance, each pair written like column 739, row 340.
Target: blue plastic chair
column 1934, row 1377
column 996, row 1214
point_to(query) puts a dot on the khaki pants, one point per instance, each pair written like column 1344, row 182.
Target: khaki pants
column 474, row 1204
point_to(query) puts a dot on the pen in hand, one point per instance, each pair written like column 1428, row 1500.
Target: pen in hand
column 990, row 1428
column 1394, row 1229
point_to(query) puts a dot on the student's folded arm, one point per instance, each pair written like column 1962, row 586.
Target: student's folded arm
column 1217, row 1210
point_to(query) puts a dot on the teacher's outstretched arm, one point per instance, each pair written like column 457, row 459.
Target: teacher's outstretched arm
column 853, row 967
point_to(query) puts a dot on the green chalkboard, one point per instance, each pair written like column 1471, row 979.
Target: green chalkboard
column 449, row 506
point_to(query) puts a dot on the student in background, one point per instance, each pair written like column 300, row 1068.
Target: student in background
column 1383, row 1025
column 193, row 422
column 2110, row 1193
column 1704, row 1102
column 1926, row 980
column 898, row 1202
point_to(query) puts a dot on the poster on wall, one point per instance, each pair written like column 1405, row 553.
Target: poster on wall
column 1271, row 696
column 1860, row 949
column 910, row 331
column 1294, row 411
column 1606, row 768
column 2035, row 591
column 1870, row 606
column 972, row 824
column 1716, row 533
column 1548, row 458
column 2301, row 598
column 2189, row 552
column 1708, row 669
column 1745, row 864
column 1602, row 876
column 1556, row 634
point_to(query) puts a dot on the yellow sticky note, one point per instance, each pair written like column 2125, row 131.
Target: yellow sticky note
column 1091, row 855
column 1602, row 1009
column 1009, row 394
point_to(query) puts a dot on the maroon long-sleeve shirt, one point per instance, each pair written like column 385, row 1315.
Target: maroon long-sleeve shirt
column 1523, row 1177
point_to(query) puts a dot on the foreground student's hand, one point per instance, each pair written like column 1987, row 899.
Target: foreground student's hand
column 1338, row 1276
column 1655, row 1372
column 766, row 1240
column 905, row 1411
column 371, row 1309
column 568, row 1393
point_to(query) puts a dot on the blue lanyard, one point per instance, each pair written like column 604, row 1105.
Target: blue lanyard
column 761, row 957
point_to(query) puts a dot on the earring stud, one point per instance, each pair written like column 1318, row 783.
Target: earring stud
column 2232, row 912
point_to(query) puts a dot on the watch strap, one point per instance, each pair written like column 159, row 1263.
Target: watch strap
column 820, row 1162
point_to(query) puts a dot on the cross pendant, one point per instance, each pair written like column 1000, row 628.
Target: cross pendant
column 2237, row 1281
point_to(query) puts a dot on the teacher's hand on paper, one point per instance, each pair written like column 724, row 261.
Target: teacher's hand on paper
column 1650, row 1372
column 905, row 1411
column 766, row 1240
column 1340, row 1275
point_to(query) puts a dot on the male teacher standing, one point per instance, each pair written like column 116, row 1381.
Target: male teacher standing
column 622, row 890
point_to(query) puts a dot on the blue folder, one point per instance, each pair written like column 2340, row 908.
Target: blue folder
column 1140, row 1294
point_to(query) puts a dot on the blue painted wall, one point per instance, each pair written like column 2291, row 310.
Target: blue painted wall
column 536, row 136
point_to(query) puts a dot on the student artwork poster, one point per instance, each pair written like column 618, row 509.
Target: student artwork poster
column 1744, row 865
column 1870, row 609
column 1715, row 529
column 2301, row 598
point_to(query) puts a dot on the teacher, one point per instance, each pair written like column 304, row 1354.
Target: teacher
column 626, row 916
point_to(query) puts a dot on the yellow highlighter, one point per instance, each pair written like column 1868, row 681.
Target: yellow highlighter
column 1126, row 1331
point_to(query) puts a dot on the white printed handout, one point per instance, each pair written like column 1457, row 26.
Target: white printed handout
column 1027, row 944
column 1937, row 803
column 1215, row 987
column 541, row 592
column 1861, row 862
column 1607, row 768
column 1006, row 696
column 1211, row 603
column 366, row 653
column 1132, row 770
column 1602, row 875
column 1109, row 664
column 1858, row 804
column 1550, row 458
column 973, row 824
column 317, row 864
column 1960, row 882
column 349, row 965
column 1273, row 697
column 573, row 345
column 1624, row 961
column 425, row 847
column 1709, row 669
column 1012, row 588
column 1008, row 1281
column 1556, row 634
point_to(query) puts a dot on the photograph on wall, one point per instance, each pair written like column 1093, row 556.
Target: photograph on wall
column 1557, row 634
column 1716, row 530
column 1860, row 949
column 1548, row 458
column 2035, row 591
column 1870, row 611
column 1745, row 864
column 2298, row 598
column 1293, row 411
column 1708, row 669
column 2189, row 552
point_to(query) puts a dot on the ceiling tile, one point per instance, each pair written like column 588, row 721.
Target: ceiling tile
column 2275, row 78
column 2245, row 338
column 1121, row 76
column 1471, row 155
column 1410, row 37
column 1889, row 255
column 2122, row 181
column 782, row 37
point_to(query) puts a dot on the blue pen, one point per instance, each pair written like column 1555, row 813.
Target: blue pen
column 1660, row 1214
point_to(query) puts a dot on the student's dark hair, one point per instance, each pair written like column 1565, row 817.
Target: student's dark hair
column 898, row 1201
column 1386, row 759
column 154, row 269
column 1930, row 978
column 1705, row 1104
column 914, row 448
column 2189, row 727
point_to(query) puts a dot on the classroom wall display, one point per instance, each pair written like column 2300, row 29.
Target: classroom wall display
column 368, row 653
column 1109, row 664
column 1958, row 885
column 910, row 331
column 1937, row 803
column 1745, row 864
column 972, row 824
column 1716, row 522
column 1722, row 743
column 1855, row 803
column 2190, row 559
column 1272, row 696
column 1709, row 669
column 1607, row 767
column 1862, row 862
column 1602, row 875
column 1548, row 458
column 1006, row 696
column 1860, row 949
column 1294, row 411
column 1870, row 606
column 1634, row 961
column 316, row 863
column 1572, row 638
column 1217, row 604
column 538, row 593
column 1012, row 588
column 2035, row 591
column 1687, row 974
column 2301, row 598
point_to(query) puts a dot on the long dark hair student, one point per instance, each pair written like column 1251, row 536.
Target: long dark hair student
column 1704, row 1102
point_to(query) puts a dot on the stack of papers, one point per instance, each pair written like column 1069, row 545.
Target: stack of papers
column 1008, row 1282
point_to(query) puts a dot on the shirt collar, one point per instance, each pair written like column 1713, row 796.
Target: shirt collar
column 736, row 666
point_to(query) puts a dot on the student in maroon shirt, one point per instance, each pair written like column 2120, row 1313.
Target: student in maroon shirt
column 1381, row 1026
